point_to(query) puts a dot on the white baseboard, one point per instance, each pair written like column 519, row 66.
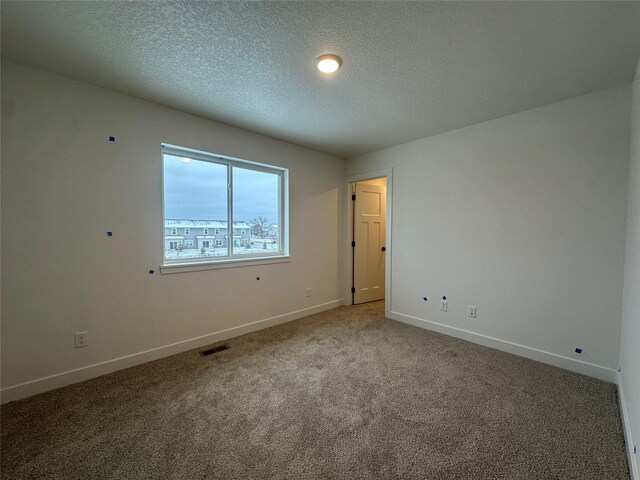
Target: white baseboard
column 633, row 463
column 585, row 368
column 33, row 387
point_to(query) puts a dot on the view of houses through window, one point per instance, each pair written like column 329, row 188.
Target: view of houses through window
column 217, row 209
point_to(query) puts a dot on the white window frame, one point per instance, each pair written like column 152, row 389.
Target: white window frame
column 174, row 231
column 187, row 231
column 188, row 243
column 219, row 242
column 205, row 231
column 239, row 257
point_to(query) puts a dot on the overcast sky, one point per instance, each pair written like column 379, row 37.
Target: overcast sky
column 197, row 190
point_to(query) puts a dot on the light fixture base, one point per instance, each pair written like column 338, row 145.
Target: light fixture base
column 328, row 63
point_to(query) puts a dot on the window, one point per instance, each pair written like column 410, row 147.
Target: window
column 246, row 197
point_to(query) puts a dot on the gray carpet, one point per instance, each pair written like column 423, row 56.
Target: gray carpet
column 344, row 394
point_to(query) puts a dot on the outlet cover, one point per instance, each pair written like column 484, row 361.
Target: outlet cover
column 81, row 339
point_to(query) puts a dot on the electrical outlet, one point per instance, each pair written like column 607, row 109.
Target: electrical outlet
column 471, row 311
column 81, row 339
column 444, row 305
column 308, row 292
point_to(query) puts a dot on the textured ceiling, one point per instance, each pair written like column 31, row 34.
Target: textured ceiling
column 409, row 70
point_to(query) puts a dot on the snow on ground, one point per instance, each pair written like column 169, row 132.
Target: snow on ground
column 187, row 253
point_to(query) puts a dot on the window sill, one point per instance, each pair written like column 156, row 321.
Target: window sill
column 231, row 263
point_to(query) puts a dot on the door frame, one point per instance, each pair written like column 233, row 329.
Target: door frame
column 348, row 228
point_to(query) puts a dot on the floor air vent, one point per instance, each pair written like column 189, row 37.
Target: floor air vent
column 213, row 350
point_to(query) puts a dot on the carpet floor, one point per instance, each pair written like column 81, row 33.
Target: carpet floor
column 344, row 394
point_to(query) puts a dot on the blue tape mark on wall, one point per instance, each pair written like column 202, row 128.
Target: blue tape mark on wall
column 425, row 298
column 151, row 272
column 112, row 138
column 578, row 350
column 444, row 297
column 109, row 234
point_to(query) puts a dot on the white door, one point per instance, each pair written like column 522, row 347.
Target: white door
column 369, row 235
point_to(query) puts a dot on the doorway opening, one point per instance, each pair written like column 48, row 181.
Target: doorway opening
column 368, row 240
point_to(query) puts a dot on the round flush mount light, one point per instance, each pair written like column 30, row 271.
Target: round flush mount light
column 328, row 63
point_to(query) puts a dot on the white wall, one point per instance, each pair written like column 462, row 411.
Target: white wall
column 64, row 186
column 629, row 382
column 524, row 217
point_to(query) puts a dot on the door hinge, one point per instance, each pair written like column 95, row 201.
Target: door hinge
column 353, row 197
column 353, row 244
column 353, row 289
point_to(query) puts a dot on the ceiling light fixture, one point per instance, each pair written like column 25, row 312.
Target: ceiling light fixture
column 328, row 63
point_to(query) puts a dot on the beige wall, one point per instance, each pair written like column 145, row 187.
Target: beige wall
column 523, row 217
column 64, row 186
column 380, row 182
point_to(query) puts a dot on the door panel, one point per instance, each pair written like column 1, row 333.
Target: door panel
column 370, row 237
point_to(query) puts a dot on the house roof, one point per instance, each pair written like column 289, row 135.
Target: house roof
column 186, row 223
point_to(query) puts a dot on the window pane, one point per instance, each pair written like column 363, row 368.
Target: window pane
column 256, row 211
column 195, row 208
